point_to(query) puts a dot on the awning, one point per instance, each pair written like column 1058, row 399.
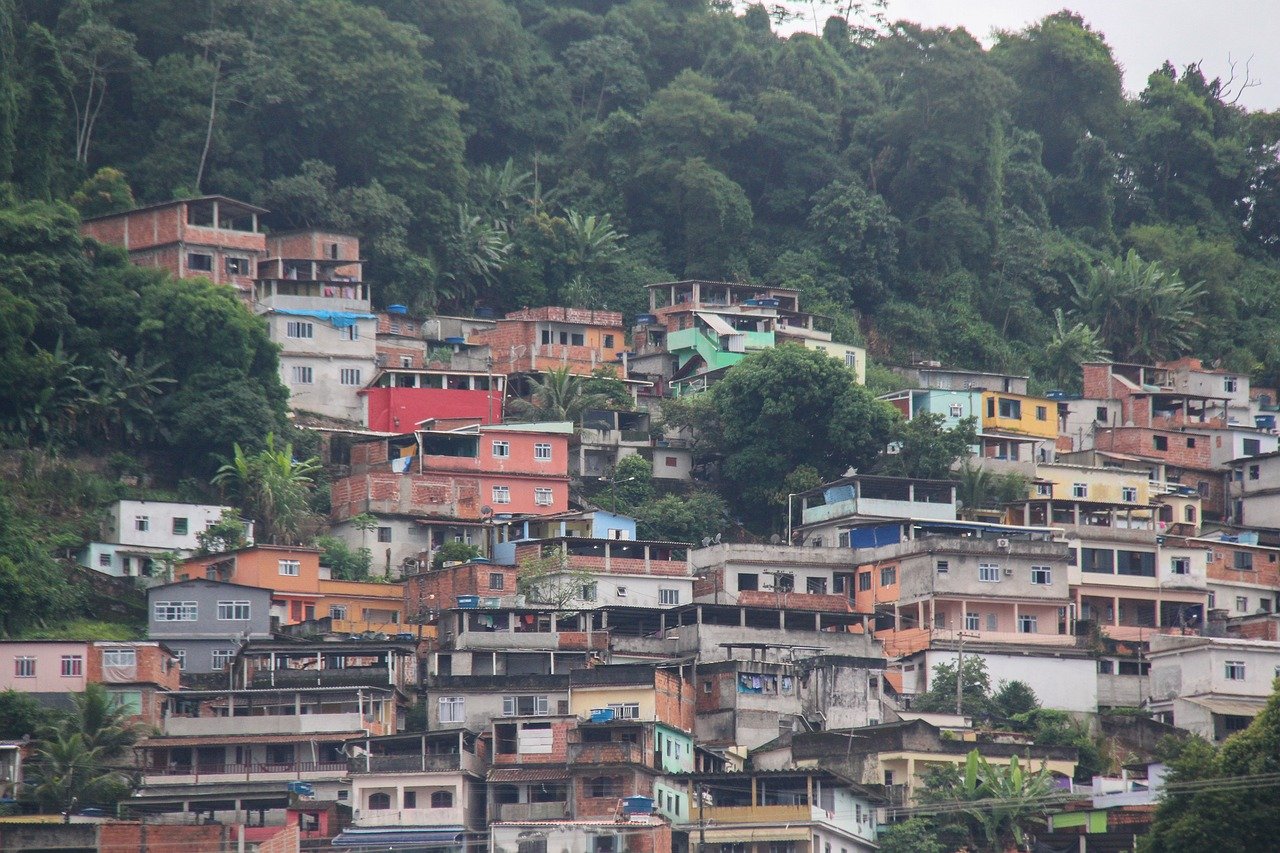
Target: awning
column 233, row 740
column 718, row 325
column 388, row 838
column 756, row 833
column 337, row 319
column 1229, row 707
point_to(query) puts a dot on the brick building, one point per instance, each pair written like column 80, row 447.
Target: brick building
column 534, row 340
column 212, row 236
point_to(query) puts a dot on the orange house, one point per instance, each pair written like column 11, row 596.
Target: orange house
column 354, row 607
column 534, row 340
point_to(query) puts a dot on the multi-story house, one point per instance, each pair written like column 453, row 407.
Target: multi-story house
column 1189, row 376
column 627, row 833
column 1147, row 396
column 407, row 341
column 434, row 486
column 203, row 622
column 318, row 311
column 213, row 237
column 302, row 590
column 281, row 714
column 1211, row 686
column 1064, row 677
column 767, row 811
column 135, row 533
column 1243, row 576
column 535, row 340
column 932, row 375
column 1017, row 426
column 417, row 789
column 402, row 399
column 830, row 514
column 1253, row 492
column 581, row 572
column 1184, row 458
column 134, row 673
column 817, row 577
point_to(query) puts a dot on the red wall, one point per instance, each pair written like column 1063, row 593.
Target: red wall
column 402, row 409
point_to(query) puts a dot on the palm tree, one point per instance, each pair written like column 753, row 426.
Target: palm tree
column 272, row 487
column 591, row 239
column 996, row 802
column 1070, row 345
column 1140, row 311
column 474, row 254
column 123, row 397
column 83, row 760
column 558, row 396
column 974, row 491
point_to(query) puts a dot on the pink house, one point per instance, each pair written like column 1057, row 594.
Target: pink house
column 44, row 666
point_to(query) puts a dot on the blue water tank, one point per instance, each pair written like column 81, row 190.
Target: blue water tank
column 455, row 340
column 484, row 313
column 602, row 715
column 646, row 319
column 468, row 602
column 397, row 309
column 637, row 805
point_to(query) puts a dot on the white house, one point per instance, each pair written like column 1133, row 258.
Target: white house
column 1211, row 686
column 136, row 532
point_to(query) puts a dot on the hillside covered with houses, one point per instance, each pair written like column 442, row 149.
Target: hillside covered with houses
column 615, row 427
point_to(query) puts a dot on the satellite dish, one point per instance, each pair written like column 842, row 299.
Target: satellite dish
column 775, row 539
column 486, row 510
column 717, row 539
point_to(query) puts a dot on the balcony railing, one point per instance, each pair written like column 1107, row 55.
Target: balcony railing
column 253, row 770
column 363, row 676
column 417, row 763
column 752, row 814
column 263, row 724
column 607, row 753
column 532, row 811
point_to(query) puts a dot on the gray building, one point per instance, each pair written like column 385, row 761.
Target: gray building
column 204, row 622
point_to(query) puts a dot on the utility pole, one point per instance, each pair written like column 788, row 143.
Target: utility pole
column 961, row 636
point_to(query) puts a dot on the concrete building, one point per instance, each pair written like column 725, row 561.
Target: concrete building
column 401, row 399
column 1211, row 686
column 136, row 533
column 932, row 375
column 584, row 573
column 1063, row 677
column 1253, row 491
column 203, row 622
column 535, row 340
column 827, row 515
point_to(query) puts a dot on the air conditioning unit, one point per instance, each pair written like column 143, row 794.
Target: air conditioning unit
column 1008, row 573
column 1002, row 543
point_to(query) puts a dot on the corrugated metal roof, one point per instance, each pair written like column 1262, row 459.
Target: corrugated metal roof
column 528, row 774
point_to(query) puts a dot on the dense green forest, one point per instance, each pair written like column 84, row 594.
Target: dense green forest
column 1005, row 207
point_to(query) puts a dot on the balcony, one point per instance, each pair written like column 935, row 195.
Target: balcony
column 365, row 676
column 533, row 811
column 209, row 774
column 407, row 817
column 608, row 753
column 264, row 725
column 417, row 763
column 753, row 814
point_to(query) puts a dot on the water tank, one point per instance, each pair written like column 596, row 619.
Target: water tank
column 637, row 805
column 455, row 340
column 646, row 319
column 484, row 313
column 468, row 602
column 602, row 715
column 397, row 309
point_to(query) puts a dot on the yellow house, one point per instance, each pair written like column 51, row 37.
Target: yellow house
column 1096, row 485
column 1036, row 417
column 358, row 606
column 854, row 358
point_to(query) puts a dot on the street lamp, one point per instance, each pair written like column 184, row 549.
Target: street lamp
column 613, row 489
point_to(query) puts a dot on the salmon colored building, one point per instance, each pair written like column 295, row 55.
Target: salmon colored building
column 534, row 340
column 301, row 590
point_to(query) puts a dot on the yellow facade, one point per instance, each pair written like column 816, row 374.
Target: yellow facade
column 908, row 768
column 1017, row 413
column 367, row 606
column 855, row 358
column 1100, row 485
column 584, row 700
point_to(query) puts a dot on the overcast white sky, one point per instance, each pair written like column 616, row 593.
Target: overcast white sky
column 1142, row 33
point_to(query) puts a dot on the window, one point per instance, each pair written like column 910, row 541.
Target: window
column 1242, row 604
column 1129, row 494
column 993, row 622
column 1044, row 490
column 337, row 611
column 1100, row 414
column 524, row 706
column 1098, row 560
column 1213, row 600
column 1160, row 442
column 1229, row 384
column 543, row 497
column 199, row 262
column 237, row 266
column 589, row 591
column 299, row 329
column 439, row 799
column 577, row 339
column 1136, row 563
column 1079, row 490
column 988, row 572
column 1252, row 446
column 72, row 666
column 668, row 597
column 1011, row 409
column 290, row 567
column 625, row 710
column 1026, row 624
column 955, row 410
column 175, row 611
column 1041, row 575
column 222, row 659
column 943, row 566
column 180, row 527
column 748, row 581
column 608, row 341
column 501, row 449
column 542, row 452
column 1243, row 561
column 142, row 523
column 670, row 462
column 864, row 581
column 1180, row 565
column 1042, row 413
column 233, row 611
column 349, row 376
column 1235, row 670
column 379, row 801
column 501, row 494
column 496, row 580
column 384, row 534
column 620, row 591
column 888, row 576
column 602, row 787
column 406, row 361
column 1255, row 471
column 815, row 586
column 302, row 375
column 972, row 621
column 1191, row 442
column 850, row 359
column 104, row 560
column 1189, row 514
column 349, row 333
column 181, row 655
column 24, row 666
column 453, row 709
